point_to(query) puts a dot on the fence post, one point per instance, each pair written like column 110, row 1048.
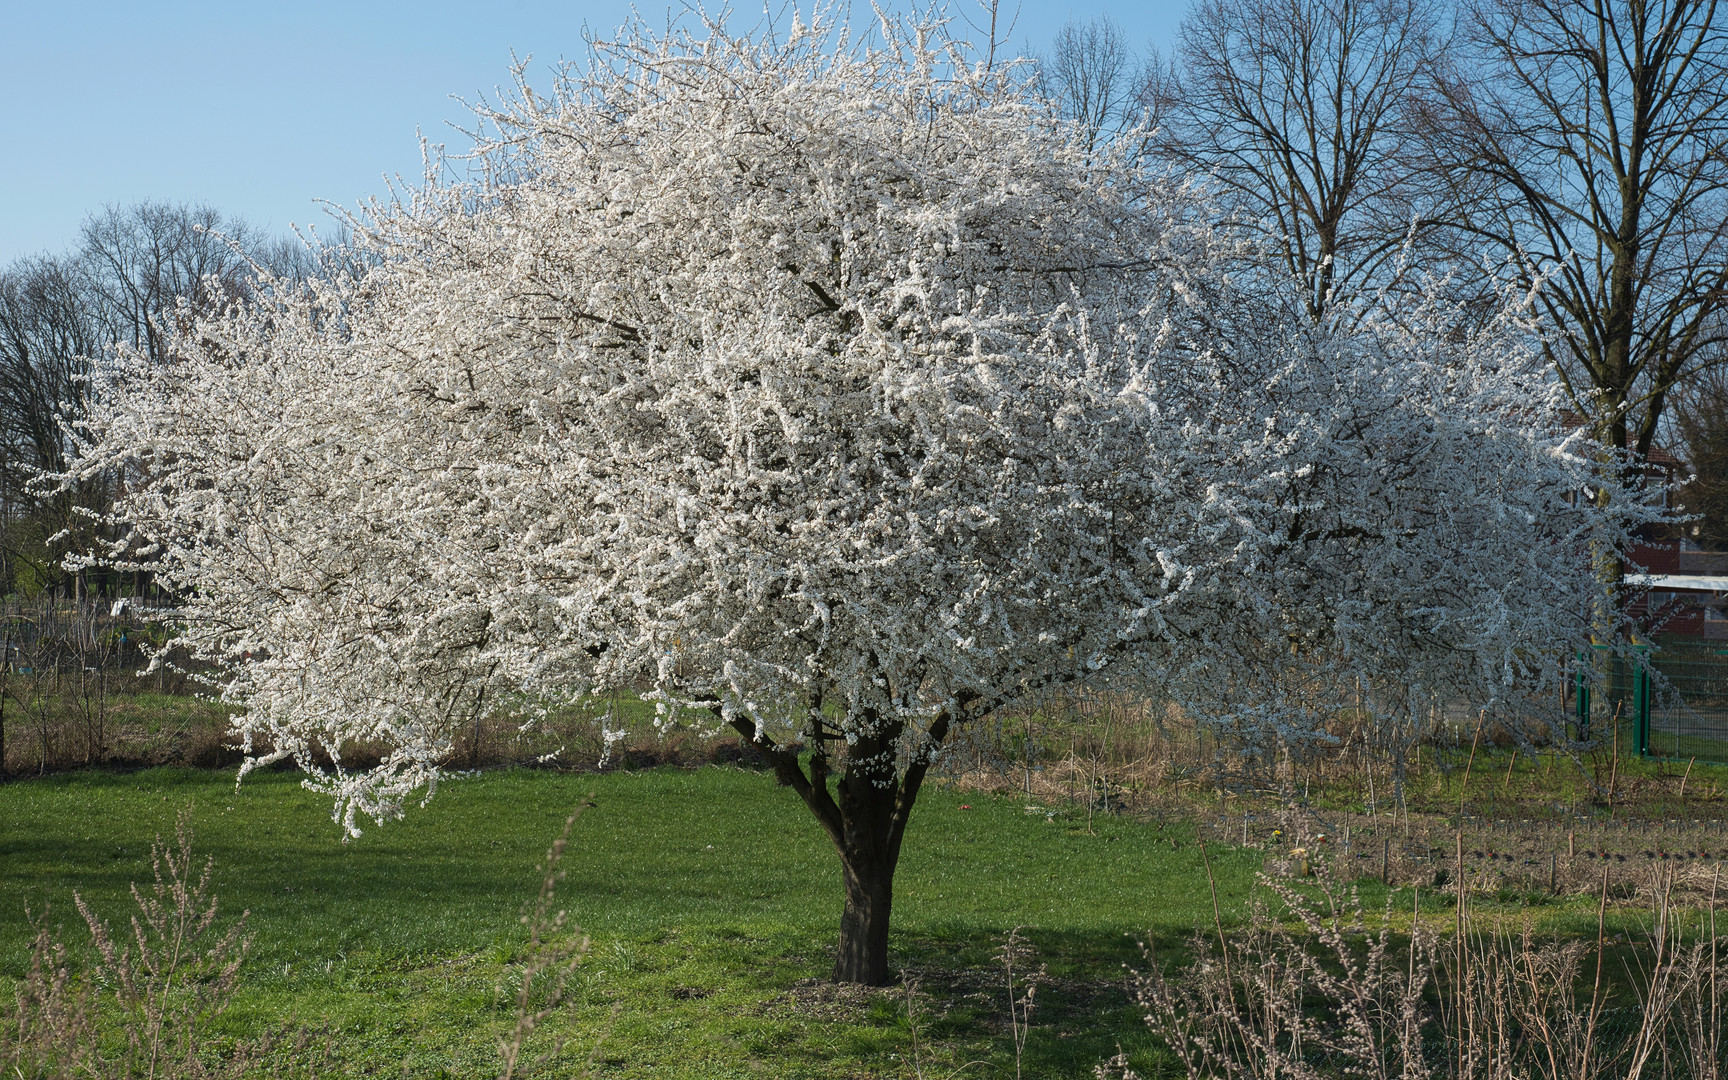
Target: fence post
column 1582, row 696
column 1641, row 703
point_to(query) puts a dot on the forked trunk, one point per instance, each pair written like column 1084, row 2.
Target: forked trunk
column 863, row 953
column 865, row 815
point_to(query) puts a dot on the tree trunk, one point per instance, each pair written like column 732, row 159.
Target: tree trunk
column 865, row 816
column 863, row 953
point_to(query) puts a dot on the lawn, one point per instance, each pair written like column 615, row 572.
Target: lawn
column 710, row 895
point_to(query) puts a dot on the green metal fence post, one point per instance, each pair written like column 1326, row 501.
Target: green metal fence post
column 1641, row 706
column 1582, row 696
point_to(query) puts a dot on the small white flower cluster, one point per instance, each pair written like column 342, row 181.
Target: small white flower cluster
column 808, row 385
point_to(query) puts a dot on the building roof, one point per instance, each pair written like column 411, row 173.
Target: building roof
column 1680, row 582
column 1657, row 456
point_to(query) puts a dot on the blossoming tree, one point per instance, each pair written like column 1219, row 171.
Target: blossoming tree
column 838, row 394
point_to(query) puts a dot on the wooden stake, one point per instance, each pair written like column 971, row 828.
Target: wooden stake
column 1470, row 763
column 1614, row 768
column 1687, row 777
column 1458, row 954
column 1460, row 885
column 1507, row 786
column 1601, row 944
column 1217, row 914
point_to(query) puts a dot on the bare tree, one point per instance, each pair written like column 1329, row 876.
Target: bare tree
column 143, row 260
column 1096, row 78
column 1596, row 132
column 126, row 283
column 1302, row 112
column 992, row 24
column 51, row 324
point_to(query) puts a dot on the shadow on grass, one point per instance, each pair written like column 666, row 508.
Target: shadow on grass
column 711, row 895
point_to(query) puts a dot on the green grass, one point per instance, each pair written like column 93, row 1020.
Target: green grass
column 710, row 896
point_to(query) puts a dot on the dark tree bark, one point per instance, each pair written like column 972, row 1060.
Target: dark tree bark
column 865, row 815
column 868, row 855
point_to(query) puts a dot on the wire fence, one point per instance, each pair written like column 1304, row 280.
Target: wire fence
column 1689, row 701
column 70, row 673
column 1669, row 699
column 106, row 636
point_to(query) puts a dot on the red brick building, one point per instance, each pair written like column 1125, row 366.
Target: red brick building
column 1687, row 588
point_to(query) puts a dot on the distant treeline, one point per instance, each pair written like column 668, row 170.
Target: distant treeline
column 136, row 273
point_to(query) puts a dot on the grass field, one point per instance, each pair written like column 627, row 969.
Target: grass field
column 711, row 898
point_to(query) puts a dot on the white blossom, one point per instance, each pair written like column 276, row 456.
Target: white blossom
column 831, row 383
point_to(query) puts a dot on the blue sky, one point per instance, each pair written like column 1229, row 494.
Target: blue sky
column 259, row 109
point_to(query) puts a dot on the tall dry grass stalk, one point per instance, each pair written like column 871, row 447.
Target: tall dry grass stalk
column 541, row 974
column 1014, row 956
column 142, row 1009
column 1309, row 989
column 177, row 972
column 48, row 1034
